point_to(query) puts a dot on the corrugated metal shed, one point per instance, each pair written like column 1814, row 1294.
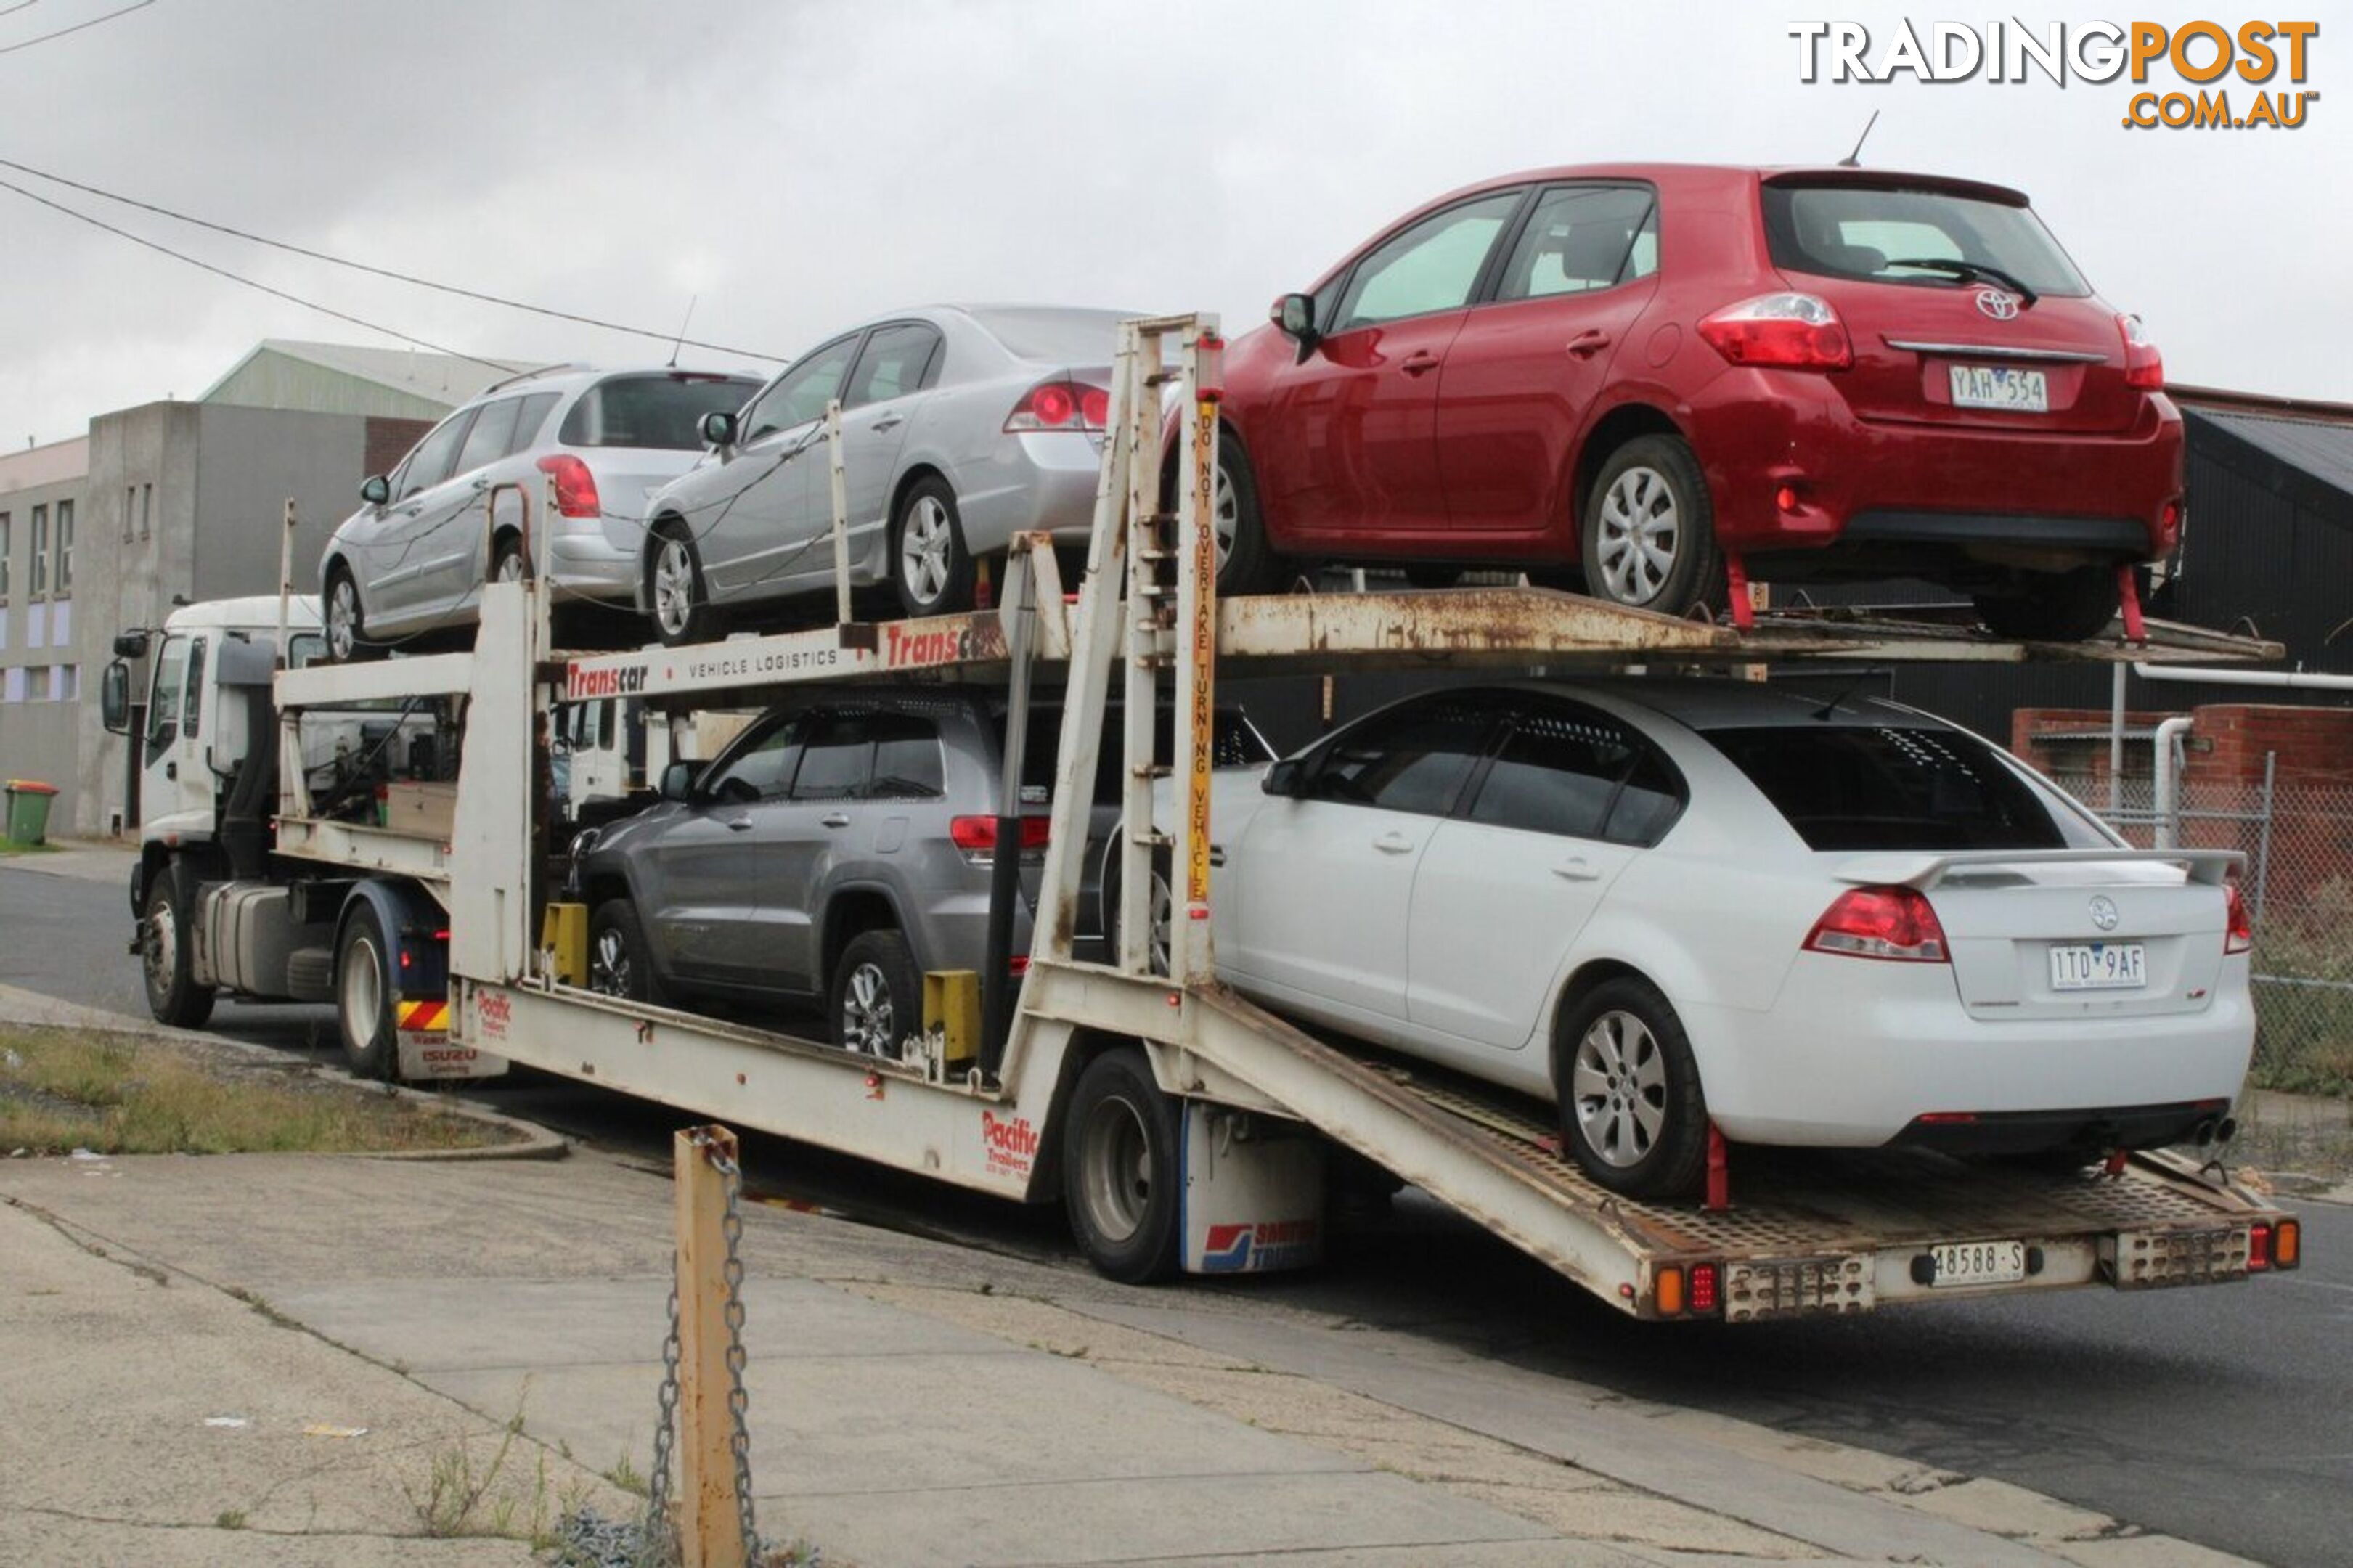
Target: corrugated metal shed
column 342, row 378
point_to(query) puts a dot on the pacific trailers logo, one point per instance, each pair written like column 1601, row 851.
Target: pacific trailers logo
column 2200, row 57
column 1011, row 1146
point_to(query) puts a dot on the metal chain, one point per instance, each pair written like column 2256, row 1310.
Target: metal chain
column 739, row 1401
column 659, row 1542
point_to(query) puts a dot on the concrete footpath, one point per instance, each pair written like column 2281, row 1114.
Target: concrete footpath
column 304, row 1359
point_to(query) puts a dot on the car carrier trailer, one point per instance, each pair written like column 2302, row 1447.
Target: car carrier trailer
column 1184, row 1127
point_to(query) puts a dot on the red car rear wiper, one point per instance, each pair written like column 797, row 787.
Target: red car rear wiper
column 1971, row 272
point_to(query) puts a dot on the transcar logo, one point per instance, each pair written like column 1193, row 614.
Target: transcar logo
column 1266, row 1243
column 612, row 680
column 974, row 639
column 1011, row 1146
column 2193, row 55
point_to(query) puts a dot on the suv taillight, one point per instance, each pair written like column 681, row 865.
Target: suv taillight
column 2238, row 932
column 575, row 486
column 2143, row 366
column 978, row 834
column 1881, row 922
column 1060, row 404
column 1788, row 331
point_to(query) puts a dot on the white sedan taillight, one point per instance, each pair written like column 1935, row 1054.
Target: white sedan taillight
column 1895, row 923
column 2239, row 931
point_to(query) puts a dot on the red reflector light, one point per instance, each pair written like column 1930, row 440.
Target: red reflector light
column 575, row 486
column 1893, row 923
column 2239, row 931
column 1702, row 1288
column 1060, row 404
column 1785, row 499
column 2143, row 366
column 2259, row 1248
column 1790, row 331
column 980, row 832
column 1021, row 963
column 442, row 935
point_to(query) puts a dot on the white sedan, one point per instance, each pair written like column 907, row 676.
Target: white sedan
column 1816, row 920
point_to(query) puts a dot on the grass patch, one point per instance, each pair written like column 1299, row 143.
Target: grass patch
column 62, row 1089
column 14, row 846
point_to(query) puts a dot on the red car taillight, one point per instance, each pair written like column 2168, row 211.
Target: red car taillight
column 1881, row 922
column 2143, row 366
column 2239, row 931
column 1790, row 331
column 974, row 833
column 1060, row 404
column 575, row 486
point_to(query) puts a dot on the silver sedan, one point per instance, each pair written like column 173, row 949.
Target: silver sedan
column 961, row 426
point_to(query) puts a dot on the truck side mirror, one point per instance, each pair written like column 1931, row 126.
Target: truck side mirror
column 719, row 428
column 114, row 698
column 1283, row 778
column 1295, row 314
column 375, row 489
column 677, row 781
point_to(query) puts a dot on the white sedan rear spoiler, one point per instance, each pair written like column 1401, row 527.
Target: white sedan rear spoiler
column 1924, row 871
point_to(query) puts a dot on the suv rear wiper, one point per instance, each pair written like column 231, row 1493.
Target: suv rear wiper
column 1968, row 272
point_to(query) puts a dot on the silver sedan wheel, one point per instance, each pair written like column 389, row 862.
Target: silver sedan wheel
column 1619, row 1087
column 927, row 546
column 1642, row 533
column 1115, row 1168
column 343, row 618
column 869, row 1014
column 673, row 593
column 608, row 965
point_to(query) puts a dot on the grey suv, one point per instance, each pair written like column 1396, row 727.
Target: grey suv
column 840, row 848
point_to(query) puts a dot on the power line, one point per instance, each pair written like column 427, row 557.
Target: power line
column 235, row 277
column 77, row 26
column 673, row 338
column 19, row 5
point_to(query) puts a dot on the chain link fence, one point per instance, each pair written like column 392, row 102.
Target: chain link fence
column 2298, row 840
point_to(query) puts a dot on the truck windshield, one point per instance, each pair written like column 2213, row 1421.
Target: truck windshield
column 163, row 699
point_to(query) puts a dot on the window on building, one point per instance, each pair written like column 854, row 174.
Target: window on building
column 6, row 529
column 69, row 683
column 130, row 511
column 40, row 572
column 65, row 547
column 146, row 511
column 36, row 684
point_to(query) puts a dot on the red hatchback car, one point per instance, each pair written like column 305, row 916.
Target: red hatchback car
column 1638, row 370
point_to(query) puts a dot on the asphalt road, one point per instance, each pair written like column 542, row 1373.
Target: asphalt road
column 2221, row 1416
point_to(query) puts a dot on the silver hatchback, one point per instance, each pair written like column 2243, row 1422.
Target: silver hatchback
column 412, row 560
column 961, row 427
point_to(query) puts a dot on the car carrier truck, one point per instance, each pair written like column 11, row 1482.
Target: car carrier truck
column 380, row 835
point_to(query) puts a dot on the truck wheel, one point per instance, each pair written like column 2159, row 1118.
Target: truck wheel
column 1120, row 1181
column 167, row 956
column 619, row 962
column 1632, row 1111
column 364, row 994
column 878, row 996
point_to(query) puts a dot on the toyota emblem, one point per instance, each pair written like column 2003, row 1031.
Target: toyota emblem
column 2104, row 912
column 1998, row 303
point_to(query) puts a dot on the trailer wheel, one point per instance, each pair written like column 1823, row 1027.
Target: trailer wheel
column 167, row 959
column 878, row 996
column 1120, row 1180
column 364, row 994
column 1631, row 1110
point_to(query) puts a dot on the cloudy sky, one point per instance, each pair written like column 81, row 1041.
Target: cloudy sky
column 798, row 165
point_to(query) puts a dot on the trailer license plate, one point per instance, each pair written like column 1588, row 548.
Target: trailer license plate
column 2099, row 967
column 1980, row 1262
column 1986, row 386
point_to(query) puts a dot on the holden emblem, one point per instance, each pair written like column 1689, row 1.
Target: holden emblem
column 2104, row 912
column 1999, row 303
